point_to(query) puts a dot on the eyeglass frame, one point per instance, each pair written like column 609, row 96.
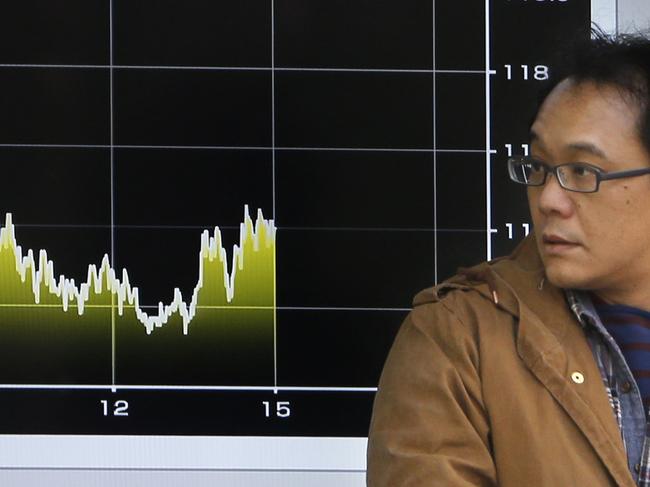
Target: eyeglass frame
column 600, row 174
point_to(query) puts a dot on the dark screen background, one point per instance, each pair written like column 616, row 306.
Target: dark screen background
column 359, row 126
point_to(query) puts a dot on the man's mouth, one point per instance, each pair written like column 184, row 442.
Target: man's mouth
column 556, row 244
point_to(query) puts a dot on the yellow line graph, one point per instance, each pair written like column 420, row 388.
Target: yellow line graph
column 248, row 283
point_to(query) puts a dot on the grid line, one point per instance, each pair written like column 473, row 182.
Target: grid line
column 273, row 183
column 112, row 161
column 247, row 68
column 161, row 387
column 153, row 306
column 435, row 155
column 240, row 148
column 488, row 136
column 235, row 228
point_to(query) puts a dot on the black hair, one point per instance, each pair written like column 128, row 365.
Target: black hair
column 620, row 61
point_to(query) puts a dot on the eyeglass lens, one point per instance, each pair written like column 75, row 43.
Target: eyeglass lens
column 577, row 177
column 574, row 177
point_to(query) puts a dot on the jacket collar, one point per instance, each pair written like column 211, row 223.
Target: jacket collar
column 517, row 285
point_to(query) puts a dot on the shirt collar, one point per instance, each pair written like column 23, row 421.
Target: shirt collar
column 582, row 307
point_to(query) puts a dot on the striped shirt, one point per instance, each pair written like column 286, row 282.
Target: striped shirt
column 622, row 388
column 630, row 329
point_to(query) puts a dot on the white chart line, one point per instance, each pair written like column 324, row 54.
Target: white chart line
column 435, row 158
column 150, row 306
column 228, row 227
column 112, row 158
column 246, row 68
column 488, row 136
column 238, row 148
column 273, row 188
column 185, row 388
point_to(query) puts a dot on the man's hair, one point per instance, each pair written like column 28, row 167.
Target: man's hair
column 618, row 61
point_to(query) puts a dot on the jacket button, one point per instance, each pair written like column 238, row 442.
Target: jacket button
column 637, row 468
column 577, row 377
column 626, row 387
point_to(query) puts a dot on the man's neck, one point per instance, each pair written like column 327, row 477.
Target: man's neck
column 640, row 300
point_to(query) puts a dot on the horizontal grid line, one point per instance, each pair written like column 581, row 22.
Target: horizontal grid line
column 232, row 227
column 152, row 306
column 243, row 68
column 381, row 149
column 251, row 148
column 149, row 387
column 125, row 306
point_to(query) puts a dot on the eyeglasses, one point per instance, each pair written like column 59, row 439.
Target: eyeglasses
column 573, row 176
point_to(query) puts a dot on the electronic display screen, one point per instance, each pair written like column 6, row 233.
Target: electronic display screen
column 214, row 215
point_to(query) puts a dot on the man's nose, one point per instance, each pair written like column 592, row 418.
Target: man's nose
column 553, row 198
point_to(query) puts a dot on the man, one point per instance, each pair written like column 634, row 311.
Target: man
column 534, row 370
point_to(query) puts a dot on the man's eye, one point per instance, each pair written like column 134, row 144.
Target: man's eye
column 579, row 171
column 536, row 166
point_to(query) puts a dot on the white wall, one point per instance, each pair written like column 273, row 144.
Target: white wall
column 621, row 16
column 633, row 15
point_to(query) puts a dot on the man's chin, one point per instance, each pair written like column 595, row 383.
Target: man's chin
column 566, row 276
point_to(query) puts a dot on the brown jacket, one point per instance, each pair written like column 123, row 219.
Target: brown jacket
column 478, row 393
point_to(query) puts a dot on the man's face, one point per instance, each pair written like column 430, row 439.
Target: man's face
column 608, row 231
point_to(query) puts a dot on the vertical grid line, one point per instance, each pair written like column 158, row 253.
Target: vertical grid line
column 435, row 157
column 112, row 151
column 275, row 286
column 273, row 103
column 488, row 136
